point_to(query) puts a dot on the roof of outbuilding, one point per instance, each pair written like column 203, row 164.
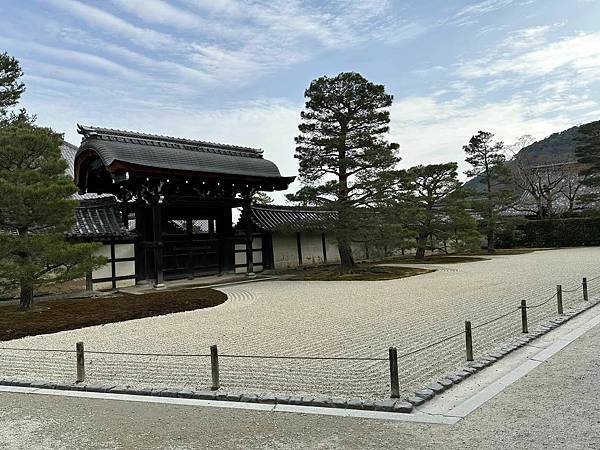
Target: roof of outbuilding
column 169, row 153
column 98, row 219
column 68, row 152
column 290, row 218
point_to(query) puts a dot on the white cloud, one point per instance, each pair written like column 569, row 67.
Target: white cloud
column 99, row 18
column 579, row 53
column 470, row 14
column 431, row 131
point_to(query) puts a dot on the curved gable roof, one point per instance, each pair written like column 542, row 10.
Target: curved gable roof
column 125, row 150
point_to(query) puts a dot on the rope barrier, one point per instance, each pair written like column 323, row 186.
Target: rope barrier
column 543, row 303
column 496, row 318
column 447, row 338
column 325, row 358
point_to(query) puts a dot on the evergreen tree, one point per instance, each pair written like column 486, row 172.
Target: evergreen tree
column 342, row 150
column 488, row 164
column 587, row 151
column 260, row 198
column 11, row 87
column 36, row 210
column 431, row 202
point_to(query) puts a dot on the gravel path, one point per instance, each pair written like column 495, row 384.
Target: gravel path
column 290, row 318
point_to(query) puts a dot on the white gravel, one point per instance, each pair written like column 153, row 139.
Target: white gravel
column 290, row 318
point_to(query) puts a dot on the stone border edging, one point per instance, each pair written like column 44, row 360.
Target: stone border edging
column 406, row 405
column 388, row 405
column 430, row 390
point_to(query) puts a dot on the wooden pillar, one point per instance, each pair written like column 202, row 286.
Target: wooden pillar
column 249, row 250
column 324, row 247
column 189, row 226
column 267, row 250
column 158, row 245
column 113, row 265
column 299, row 245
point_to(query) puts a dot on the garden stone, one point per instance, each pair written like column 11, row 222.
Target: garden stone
column 403, row 407
column 425, row 393
column 416, row 401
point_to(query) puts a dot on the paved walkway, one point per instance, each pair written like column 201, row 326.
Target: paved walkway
column 554, row 406
column 289, row 318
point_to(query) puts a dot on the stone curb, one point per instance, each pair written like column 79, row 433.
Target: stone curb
column 429, row 391
column 387, row 405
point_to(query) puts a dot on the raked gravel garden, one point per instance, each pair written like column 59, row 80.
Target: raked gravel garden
column 319, row 319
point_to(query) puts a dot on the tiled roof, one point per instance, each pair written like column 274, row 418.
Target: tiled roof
column 98, row 219
column 283, row 218
column 68, row 152
column 171, row 153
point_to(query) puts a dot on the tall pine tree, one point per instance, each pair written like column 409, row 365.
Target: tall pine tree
column 342, row 150
column 431, row 202
column 36, row 210
column 488, row 165
column 36, row 205
column 11, row 87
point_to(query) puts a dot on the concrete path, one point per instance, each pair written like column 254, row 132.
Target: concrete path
column 554, row 406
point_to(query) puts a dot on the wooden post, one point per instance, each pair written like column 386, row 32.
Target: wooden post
column 214, row 367
column 80, row 363
column 158, row 246
column 394, row 380
column 469, row 340
column 89, row 283
column 585, row 289
column 249, row 241
column 559, row 298
column 524, row 316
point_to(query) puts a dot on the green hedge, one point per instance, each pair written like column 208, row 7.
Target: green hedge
column 577, row 231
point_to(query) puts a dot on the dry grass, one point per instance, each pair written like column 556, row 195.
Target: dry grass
column 69, row 314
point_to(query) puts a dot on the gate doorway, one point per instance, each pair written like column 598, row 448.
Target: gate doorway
column 190, row 247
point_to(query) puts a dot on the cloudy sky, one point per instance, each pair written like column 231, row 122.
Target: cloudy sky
column 235, row 71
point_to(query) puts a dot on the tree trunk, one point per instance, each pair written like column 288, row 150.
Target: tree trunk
column 421, row 245
column 26, row 298
column 346, row 258
column 491, row 237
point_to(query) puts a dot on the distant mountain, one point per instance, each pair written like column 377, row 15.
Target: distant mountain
column 558, row 147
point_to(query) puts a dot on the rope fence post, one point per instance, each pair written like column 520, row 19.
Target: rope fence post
column 394, row 380
column 559, row 298
column 80, row 362
column 469, row 340
column 585, row 289
column 524, row 316
column 214, row 367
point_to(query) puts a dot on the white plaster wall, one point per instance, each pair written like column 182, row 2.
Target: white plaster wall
column 312, row 249
column 333, row 254
column 123, row 250
column 122, row 268
column 240, row 256
column 285, row 250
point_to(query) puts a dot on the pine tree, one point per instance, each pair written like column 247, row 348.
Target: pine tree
column 342, row 150
column 36, row 210
column 488, row 164
column 11, row 87
column 431, row 202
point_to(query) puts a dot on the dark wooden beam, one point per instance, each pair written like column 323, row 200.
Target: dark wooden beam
column 299, row 245
column 158, row 245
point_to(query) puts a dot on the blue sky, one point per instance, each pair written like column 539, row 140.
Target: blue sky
column 235, row 71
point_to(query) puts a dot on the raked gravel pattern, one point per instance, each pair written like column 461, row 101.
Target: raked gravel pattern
column 340, row 319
